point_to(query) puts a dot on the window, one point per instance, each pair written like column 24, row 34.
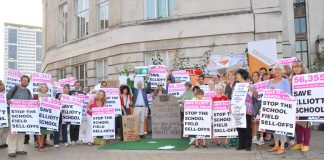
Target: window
column 12, row 35
column 12, row 52
column 39, row 67
column 12, row 65
column 158, row 58
column 80, row 71
column 61, row 74
column 63, row 22
column 159, row 8
column 300, row 25
column 101, row 70
column 302, row 51
column 299, row 1
column 38, row 54
column 103, row 14
column 39, row 38
column 82, row 15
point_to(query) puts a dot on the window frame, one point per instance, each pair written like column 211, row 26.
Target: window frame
column 303, row 50
column 78, row 14
column 77, row 73
column 299, row 31
column 99, row 4
column 156, row 13
column 63, row 23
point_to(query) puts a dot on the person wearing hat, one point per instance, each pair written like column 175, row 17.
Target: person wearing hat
column 159, row 90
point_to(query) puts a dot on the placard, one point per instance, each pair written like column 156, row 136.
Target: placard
column 3, row 111
column 181, row 75
column 238, row 106
column 223, row 121
column 150, row 99
column 278, row 112
column 158, row 73
column 166, row 121
column 71, row 109
column 13, row 79
column 70, row 81
column 24, row 117
column 103, row 122
column 197, row 118
column 308, row 91
column 86, row 100
column 287, row 61
column 113, row 99
column 208, row 95
column 131, row 128
column 141, row 71
column 39, row 78
column 176, row 89
column 205, row 88
column 259, row 87
column 49, row 113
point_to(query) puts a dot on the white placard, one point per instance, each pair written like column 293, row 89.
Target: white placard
column 238, row 106
column 223, row 121
column 71, row 109
column 3, row 111
column 39, row 78
column 13, row 79
column 176, row 89
column 181, row 75
column 103, row 122
column 49, row 113
column 158, row 73
column 113, row 99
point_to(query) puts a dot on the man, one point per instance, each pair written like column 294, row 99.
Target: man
column 16, row 141
column 3, row 131
column 103, row 84
column 201, row 80
column 217, row 81
column 74, row 129
column 262, row 71
column 140, row 105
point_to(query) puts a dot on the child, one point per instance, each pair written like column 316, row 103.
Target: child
column 220, row 97
column 199, row 94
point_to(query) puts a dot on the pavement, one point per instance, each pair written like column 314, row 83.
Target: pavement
column 85, row 152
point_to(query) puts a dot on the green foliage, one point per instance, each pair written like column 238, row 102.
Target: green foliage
column 319, row 62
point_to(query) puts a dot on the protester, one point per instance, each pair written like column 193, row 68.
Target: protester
column 245, row 134
column 98, row 101
column 303, row 130
column 211, row 85
column 279, row 83
column 3, row 131
column 256, row 108
column 230, row 85
column 86, row 90
column 159, row 90
column 103, row 84
column 126, row 100
column 266, row 76
column 62, row 127
column 75, row 129
column 217, row 80
column 141, row 104
column 199, row 94
column 220, row 97
column 187, row 95
column 194, row 89
column 201, row 80
column 262, row 71
column 16, row 141
column 287, row 73
column 271, row 72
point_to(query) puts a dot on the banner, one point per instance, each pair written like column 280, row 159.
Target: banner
column 197, row 118
column 287, row 61
column 71, row 109
column 261, row 54
column 158, row 73
column 39, row 78
column 223, row 121
column 131, row 128
column 103, row 122
column 3, row 111
column 24, row 117
column 13, row 78
column 181, row 75
column 208, row 95
column 238, row 106
column 113, row 99
column 259, row 87
column 141, row 71
column 308, row 91
column 86, row 100
column 176, row 89
column 49, row 113
column 278, row 112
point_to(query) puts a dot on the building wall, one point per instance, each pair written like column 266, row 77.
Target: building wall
column 225, row 26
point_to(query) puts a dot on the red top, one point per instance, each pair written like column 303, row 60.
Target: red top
column 222, row 98
column 93, row 105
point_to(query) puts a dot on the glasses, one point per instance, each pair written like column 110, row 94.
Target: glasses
column 160, row 85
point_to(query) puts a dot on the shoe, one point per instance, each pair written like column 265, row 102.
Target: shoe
column 72, row 143
column 12, row 155
column 274, row 149
column 196, row 146
column 297, row 147
column 142, row 136
column 286, row 144
column 260, row 142
column 305, row 149
column 248, row 149
column 279, row 151
column 191, row 140
column 26, row 142
column 66, row 144
column 89, row 144
column 271, row 145
column 204, row 146
column 3, row 146
column 57, row 146
column 239, row 148
column 254, row 141
column 21, row 152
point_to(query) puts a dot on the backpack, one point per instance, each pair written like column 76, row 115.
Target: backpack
column 15, row 90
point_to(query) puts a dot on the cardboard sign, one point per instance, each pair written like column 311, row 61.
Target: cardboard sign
column 182, row 76
column 197, row 118
column 158, row 73
column 238, row 106
column 3, row 111
column 13, row 79
column 223, row 121
column 39, row 78
column 308, row 91
column 71, row 109
column 166, row 121
column 176, row 89
column 103, row 122
column 24, row 117
column 278, row 112
column 49, row 113
column 113, row 99
column 131, row 128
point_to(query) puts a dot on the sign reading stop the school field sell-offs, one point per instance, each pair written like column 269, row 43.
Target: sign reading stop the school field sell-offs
column 103, row 122
column 3, row 111
column 308, row 91
column 223, row 121
column 13, row 78
column 113, row 99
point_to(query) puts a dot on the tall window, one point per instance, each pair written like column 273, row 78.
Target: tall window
column 61, row 74
column 302, row 51
column 80, row 71
column 103, row 14
column 159, row 8
column 63, row 22
column 300, row 25
column 101, row 70
column 82, row 15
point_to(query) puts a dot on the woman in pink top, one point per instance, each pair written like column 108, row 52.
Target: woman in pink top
column 98, row 101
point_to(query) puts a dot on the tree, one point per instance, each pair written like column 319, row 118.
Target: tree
column 319, row 62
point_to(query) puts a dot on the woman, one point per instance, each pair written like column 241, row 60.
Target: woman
column 256, row 107
column 3, row 131
column 126, row 100
column 230, row 85
column 199, row 94
column 303, row 130
column 211, row 85
column 98, row 101
column 62, row 127
column 266, row 76
column 187, row 95
column 245, row 134
column 279, row 83
column 42, row 92
column 159, row 90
